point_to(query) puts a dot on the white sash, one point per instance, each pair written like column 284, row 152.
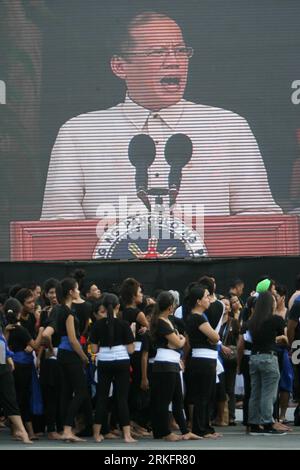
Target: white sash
column 137, row 346
column 115, row 353
column 167, row 355
column 204, row 353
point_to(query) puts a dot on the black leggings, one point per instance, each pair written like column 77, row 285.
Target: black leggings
column 166, row 388
column 203, row 384
column 51, row 382
column 116, row 372
column 23, row 383
column 8, row 399
column 76, row 396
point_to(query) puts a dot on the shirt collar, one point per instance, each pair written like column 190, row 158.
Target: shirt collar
column 138, row 115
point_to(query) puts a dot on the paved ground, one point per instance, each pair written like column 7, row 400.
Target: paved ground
column 233, row 438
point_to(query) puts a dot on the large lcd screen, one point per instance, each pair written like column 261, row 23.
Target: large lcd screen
column 149, row 129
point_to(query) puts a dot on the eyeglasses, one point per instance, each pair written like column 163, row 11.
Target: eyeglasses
column 180, row 52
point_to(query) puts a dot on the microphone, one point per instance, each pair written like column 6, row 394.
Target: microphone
column 178, row 152
column 141, row 153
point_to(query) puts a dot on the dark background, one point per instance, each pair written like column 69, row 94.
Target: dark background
column 159, row 274
column 246, row 58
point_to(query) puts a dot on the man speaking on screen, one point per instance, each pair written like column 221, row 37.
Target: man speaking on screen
column 90, row 162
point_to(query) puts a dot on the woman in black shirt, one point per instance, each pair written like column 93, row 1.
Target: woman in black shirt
column 22, row 345
column 113, row 338
column 166, row 380
column 266, row 330
column 72, row 360
column 51, row 376
column 203, row 341
column 8, row 399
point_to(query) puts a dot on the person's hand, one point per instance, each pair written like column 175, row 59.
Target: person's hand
column 226, row 351
column 133, row 328
column 10, row 327
column 142, row 330
column 145, row 385
column 28, row 349
column 11, row 364
column 85, row 360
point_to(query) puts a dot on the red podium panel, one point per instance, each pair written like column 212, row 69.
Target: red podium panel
column 224, row 236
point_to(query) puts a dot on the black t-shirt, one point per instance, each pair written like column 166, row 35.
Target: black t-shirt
column 51, row 320
column 163, row 329
column 294, row 315
column 19, row 338
column 29, row 325
column 244, row 329
column 148, row 346
column 61, row 314
column 197, row 339
column 214, row 313
column 83, row 313
column 122, row 333
column 130, row 315
column 264, row 341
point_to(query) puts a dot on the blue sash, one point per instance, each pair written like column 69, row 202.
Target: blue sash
column 287, row 373
column 22, row 357
column 65, row 344
column 36, row 402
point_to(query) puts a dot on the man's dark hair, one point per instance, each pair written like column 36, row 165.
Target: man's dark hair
column 13, row 290
column 86, row 287
column 235, row 283
column 281, row 290
column 208, row 283
column 129, row 289
column 23, row 295
column 49, row 284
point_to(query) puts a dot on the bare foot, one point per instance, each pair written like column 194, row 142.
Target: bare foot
column 281, row 427
column 99, row 438
column 190, row 436
column 111, row 435
column 130, row 440
column 54, row 436
column 71, row 438
column 220, row 423
column 172, row 437
column 23, row 436
column 33, row 437
column 210, row 436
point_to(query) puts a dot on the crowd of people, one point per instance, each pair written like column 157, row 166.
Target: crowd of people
column 76, row 362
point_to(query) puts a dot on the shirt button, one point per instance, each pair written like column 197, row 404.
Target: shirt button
column 157, row 142
column 155, row 116
column 156, row 175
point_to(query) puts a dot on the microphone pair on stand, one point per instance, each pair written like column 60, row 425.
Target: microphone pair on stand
column 141, row 153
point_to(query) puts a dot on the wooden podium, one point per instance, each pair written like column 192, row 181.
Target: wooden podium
column 226, row 236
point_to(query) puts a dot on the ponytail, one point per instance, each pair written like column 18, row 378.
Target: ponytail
column 110, row 301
